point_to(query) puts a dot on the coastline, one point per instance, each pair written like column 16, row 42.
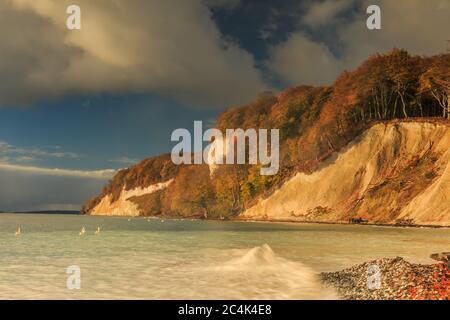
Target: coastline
column 419, row 226
column 293, row 221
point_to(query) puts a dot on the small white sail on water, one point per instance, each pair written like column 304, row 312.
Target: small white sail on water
column 18, row 232
column 97, row 231
column 83, row 231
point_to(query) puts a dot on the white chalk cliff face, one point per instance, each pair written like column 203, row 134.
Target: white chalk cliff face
column 361, row 180
column 123, row 206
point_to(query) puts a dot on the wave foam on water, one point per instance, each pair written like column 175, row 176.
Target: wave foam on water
column 259, row 273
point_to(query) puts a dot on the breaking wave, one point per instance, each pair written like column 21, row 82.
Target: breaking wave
column 258, row 273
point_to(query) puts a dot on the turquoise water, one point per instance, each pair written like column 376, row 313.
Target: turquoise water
column 155, row 259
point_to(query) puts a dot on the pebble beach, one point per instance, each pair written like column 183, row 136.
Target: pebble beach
column 398, row 280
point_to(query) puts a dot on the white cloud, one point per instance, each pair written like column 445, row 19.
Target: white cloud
column 325, row 12
column 166, row 47
column 27, row 187
column 300, row 60
column 23, row 159
column 95, row 174
column 31, row 188
column 25, row 154
column 419, row 26
column 125, row 160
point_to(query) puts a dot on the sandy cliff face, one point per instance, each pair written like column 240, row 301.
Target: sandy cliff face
column 433, row 205
column 123, row 206
column 393, row 172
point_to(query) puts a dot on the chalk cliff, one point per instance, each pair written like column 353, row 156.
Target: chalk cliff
column 395, row 172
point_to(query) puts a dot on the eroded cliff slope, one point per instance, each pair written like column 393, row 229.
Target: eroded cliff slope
column 394, row 172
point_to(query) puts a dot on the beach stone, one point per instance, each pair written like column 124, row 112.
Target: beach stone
column 397, row 279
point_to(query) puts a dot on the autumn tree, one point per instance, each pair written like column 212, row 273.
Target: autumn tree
column 191, row 193
column 436, row 82
column 403, row 72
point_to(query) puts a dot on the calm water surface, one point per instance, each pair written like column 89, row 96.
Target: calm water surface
column 154, row 259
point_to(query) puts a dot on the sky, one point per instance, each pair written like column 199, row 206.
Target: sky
column 75, row 105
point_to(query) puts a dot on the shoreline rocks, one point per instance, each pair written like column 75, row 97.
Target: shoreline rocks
column 391, row 279
column 442, row 257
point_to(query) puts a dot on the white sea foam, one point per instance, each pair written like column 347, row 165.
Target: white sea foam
column 259, row 273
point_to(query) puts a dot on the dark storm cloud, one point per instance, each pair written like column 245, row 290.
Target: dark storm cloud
column 170, row 47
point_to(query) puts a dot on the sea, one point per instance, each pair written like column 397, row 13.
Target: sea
column 142, row 258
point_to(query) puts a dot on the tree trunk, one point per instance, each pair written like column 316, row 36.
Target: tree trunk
column 395, row 107
column 403, row 105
